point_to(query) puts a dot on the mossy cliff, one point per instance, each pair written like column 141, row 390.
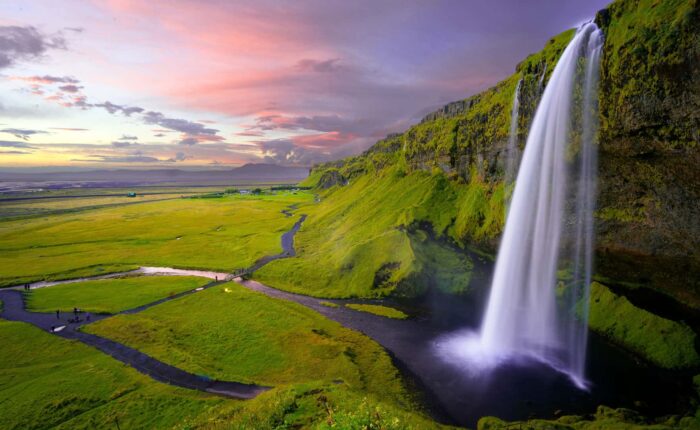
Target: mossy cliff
column 604, row 418
column 649, row 184
column 649, row 216
column 668, row 344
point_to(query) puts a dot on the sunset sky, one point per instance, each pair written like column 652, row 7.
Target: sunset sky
column 222, row 83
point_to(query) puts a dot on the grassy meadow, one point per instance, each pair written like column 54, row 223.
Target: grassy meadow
column 324, row 375
column 206, row 233
column 229, row 332
column 44, row 207
column 110, row 295
column 49, row 382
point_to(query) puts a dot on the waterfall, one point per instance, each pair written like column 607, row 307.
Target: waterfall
column 530, row 311
column 513, row 154
column 541, row 80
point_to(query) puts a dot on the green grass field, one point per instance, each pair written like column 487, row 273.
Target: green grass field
column 110, row 295
column 229, row 332
column 325, row 376
column 48, row 382
column 17, row 209
column 217, row 234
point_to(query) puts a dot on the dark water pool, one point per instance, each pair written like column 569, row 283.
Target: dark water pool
column 523, row 389
column 458, row 395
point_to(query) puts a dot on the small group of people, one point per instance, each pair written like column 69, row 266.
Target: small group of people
column 27, row 287
column 76, row 316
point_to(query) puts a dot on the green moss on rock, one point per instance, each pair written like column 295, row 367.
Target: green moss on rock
column 666, row 343
column 604, row 418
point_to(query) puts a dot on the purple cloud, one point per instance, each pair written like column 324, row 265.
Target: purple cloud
column 20, row 133
column 25, row 43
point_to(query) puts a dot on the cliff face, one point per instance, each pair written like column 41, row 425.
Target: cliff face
column 648, row 213
column 649, row 184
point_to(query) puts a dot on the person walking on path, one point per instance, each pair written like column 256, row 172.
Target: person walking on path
column 87, row 317
column 58, row 314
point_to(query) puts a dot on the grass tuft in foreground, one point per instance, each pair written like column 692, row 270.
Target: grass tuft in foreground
column 384, row 311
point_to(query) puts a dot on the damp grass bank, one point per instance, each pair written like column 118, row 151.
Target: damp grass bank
column 384, row 311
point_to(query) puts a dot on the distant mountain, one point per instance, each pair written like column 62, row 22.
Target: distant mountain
column 248, row 172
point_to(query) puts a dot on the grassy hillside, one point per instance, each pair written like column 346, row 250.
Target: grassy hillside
column 325, row 376
column 49, row 382
column 369, row 239
column 604, row 418
column 398, row 218
column 448, row 171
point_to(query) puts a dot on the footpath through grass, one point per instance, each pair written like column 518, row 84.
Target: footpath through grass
column 110, row 295
column 216, row 234
column 325, row 375
column 231, row 333
column 48, row 382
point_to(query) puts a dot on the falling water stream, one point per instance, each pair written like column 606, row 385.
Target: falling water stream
column 538, row 304
column 513, row 153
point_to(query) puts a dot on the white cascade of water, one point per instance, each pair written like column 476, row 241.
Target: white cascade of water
column 512, row 152
column 523, row 316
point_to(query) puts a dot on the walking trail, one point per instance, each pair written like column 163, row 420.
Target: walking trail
column 64, row 325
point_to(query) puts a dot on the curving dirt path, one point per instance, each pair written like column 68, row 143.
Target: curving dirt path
column 14, row 309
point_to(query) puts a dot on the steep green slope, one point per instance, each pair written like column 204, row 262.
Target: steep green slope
column 396, row 219
column 370, row 239
column 447, row 171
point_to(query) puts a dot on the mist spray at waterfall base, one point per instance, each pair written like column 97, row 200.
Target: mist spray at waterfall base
column 532, row 313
